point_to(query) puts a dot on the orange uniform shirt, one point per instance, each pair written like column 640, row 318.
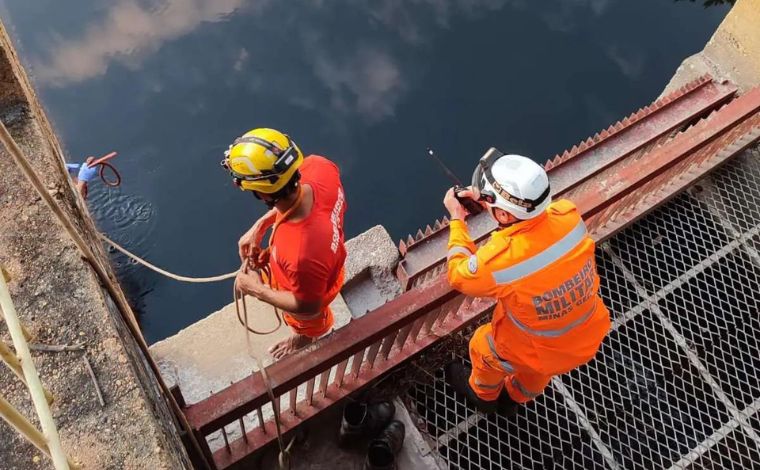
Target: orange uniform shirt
column 308, row 255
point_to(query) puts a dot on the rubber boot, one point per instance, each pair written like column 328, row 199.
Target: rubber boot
column 364, row 420
column 506, row 405
column 381, row 454
column 458, row 377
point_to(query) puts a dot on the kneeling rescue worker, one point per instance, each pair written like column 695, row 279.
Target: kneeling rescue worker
column 539, row 266
column 306, row 251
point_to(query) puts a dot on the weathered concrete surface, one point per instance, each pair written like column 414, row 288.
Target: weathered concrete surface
column 733, row 52
column 370, row 271
column 60, row 301
column 212, row 353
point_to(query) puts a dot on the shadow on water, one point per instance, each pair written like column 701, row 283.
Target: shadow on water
column 709, row 3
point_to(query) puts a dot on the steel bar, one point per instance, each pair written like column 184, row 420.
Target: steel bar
column 356, row 363
column 292, row 399
column 260, row 416
column 403, row 335
column 27, row 429
column 324, row 378
column 416, row 327
column 340, row 372
column 238, row 399
column 242, row 429
column 387, row 345
column 372, row 353
column 33, row 383
column 310, row 390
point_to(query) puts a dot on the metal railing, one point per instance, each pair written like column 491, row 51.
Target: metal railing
column 22, row 365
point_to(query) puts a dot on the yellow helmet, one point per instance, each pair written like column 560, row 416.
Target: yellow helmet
column 263, row 160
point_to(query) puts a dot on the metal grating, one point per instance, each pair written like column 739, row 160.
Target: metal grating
column 676, row 383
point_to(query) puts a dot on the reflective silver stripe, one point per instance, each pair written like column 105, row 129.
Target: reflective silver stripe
column 492, row 387
column 456, row 250
column 504, row 364
column 539, row 261
column 552, row 333
column 523, row 390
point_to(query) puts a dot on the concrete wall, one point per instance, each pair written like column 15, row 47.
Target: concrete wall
column 733, row 52
column 60, row 300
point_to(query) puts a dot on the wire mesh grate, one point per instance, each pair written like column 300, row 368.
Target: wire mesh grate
column 676, row 384
column 734, row 451
column 644, row 397
column 544, row 434
column 669, row 242
column 717, row 313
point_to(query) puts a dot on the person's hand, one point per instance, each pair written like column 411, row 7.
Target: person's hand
column 87, row 173
column 248, row 281
column 249, row 244
column 452, row 204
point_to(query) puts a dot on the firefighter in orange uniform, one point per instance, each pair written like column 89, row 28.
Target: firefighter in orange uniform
column 306, row 251
column 539, row 266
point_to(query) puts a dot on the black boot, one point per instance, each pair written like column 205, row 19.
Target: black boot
column 507, row 406
column 364, row 420
column 381, row 454
column 458, row 377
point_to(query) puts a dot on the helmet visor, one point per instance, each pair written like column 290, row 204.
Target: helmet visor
column 479, row 190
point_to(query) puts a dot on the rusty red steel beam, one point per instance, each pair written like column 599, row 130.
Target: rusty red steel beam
column 425, row 252
column 257, row 438
column 244, row 396
column 228, row 405
column 663, row 187
column 669, row 115
column 623, row 180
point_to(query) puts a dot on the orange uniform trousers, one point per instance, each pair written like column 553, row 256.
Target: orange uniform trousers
column 320, row 323
column 491, row 372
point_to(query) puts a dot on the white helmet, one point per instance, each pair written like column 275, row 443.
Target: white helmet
column 513, row 183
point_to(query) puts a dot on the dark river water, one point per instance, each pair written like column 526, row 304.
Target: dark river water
column 368, row 83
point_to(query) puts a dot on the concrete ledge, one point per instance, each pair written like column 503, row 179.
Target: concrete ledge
column 212, row 353
column 370, row 277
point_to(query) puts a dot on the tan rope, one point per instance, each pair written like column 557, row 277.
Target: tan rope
column 283, row 459
column 166, row 273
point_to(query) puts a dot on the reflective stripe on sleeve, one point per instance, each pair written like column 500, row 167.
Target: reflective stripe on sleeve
column 528, row 394
column 454, row 250
column 539, row 261
column 492, row 387
column 506, row 366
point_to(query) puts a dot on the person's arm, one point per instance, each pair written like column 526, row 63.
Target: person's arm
column 253, row 237
column 466, row 266
column 250, row 283
column 467, row 272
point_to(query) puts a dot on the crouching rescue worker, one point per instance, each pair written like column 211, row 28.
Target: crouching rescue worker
column 306, row 251
column 539, row 266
